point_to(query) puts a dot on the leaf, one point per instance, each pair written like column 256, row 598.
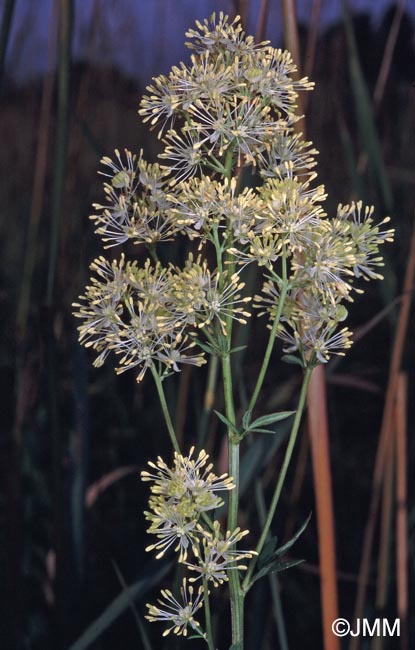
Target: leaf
column 239, row 348
column 117, row 607
column 228, row 423
column 206, row 347
column 236, row 646
column 259, row 431
column 282, row 549
column 246, row 418
column 197, row 635
column 291, row 358
column 270, row 419
column 275, row 567
column 267, row 551
column 269, row 561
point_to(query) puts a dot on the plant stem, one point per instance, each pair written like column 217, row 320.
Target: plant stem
column 278, row 488
column 209, row 398
column 273, row 333
column 208, row 618
column 268, row 351
column 236, row 594
column 165, row 409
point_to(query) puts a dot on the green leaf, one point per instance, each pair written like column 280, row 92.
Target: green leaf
column 270, row 419
column 198, row 634
column 246, row 419
column 236, row 646
column 239, row 348
column 205, row 347
column 275, row 567
column 291, row 358
column 228, row 423
column 267, row 551
column 282, row 549
column 118, row 606
column 269, row 562
column 259, row 431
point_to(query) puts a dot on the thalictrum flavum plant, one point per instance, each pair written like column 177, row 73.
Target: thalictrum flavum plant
column 226, row 117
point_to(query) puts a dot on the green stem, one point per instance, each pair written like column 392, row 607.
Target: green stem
column 229, row 163
column 208, row 618
column 273, row 333
column 268, row 351
column 233, row 442
column 278, row 488
column 209, row 398
column 165, row 409
column 236, row 594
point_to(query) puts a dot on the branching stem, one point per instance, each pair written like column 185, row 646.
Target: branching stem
column 165, row 409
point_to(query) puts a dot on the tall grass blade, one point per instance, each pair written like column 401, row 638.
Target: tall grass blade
column 319, row 438
column 402, row 570
column 386, row 523
column 36, row 207
column 364, row 114
column 262, row 21
column 118, row 606
column 141, row 628
column 64, row 48
column 6, row 22
column 66, row 16
column 310, row 51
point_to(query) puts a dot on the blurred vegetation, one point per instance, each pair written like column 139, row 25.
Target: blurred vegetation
column 73, row 438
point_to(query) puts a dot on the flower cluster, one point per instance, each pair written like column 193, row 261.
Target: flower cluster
column 181, row 496
column 147, row 314
column 323, row 269
column 233, row 107
column 178, row 497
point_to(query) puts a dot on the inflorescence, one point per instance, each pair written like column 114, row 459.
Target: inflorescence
column 232, row 108
column 181, row 497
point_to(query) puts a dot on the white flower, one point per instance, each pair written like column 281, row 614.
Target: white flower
column 179, row 615
column 215, row 555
